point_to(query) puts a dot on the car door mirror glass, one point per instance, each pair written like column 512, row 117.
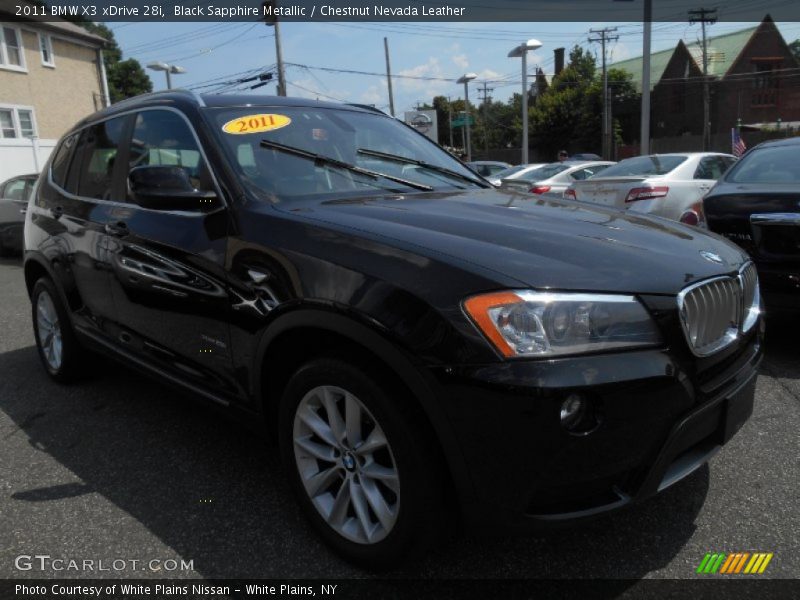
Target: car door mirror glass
column 167, row 187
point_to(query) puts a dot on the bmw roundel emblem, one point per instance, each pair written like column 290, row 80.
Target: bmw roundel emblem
column 711, row 257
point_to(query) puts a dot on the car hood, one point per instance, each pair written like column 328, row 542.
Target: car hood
column 545, row 244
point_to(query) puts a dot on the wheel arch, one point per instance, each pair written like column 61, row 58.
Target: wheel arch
column 280, row 352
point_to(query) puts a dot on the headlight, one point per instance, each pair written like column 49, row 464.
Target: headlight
column 525, row 323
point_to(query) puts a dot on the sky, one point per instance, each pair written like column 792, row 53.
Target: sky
column 431, row 55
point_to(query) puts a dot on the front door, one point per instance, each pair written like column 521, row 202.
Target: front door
column 168, row 279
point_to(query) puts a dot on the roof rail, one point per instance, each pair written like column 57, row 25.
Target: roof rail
column 195, row 96
column 368, row 107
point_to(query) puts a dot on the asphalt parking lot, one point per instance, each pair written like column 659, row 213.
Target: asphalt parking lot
column 124, row 468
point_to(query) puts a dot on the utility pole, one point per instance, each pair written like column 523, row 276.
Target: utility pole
column 605, row 37
column 644, row 144
column 450, row 119
column 705, row 16
column 485, row 98
column 389, row 75
column 268, row 10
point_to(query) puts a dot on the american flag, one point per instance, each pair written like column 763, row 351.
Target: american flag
column 737, row 143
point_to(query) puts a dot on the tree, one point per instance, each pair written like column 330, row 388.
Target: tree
column 126, row 78
column 795, row 48
column 568, row 115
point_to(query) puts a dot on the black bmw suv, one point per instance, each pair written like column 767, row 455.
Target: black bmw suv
column 423, row 344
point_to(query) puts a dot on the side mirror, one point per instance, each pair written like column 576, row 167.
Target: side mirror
column 167, row 188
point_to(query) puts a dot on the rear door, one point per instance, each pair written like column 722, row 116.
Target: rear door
column 168, row 266
column 79, row 197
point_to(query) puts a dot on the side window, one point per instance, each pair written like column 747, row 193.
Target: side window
column 713, row 167
column 704, row 169
column 588, row 172
column 14, row 190
column 727, row 162
column 163, row 138
column 96, row 154
column 58, row 168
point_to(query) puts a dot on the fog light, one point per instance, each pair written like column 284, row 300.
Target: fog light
column 578, row 414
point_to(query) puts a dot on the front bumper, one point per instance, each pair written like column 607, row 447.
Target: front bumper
column 660, row 422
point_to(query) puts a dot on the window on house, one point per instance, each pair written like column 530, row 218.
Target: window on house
column 765, row 83
column 17, row 122
column 46, row 50
column 678, row 99
column 7, row 129
column 11, row 54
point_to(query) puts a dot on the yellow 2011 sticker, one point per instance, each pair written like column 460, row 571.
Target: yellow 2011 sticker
column 255, row 124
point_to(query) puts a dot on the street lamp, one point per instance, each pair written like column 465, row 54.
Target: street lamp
column 521, row 51
column 465, row 79
column 168, row 69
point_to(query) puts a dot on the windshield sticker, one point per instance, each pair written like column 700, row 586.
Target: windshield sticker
column 255, row 124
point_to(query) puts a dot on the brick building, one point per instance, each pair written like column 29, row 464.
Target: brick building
column 754, row 80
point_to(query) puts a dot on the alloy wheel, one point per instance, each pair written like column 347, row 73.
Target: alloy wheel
column 346, row 464
column 49, row 329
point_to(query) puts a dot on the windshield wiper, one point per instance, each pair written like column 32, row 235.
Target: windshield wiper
column 420, row 163
column 320, row 159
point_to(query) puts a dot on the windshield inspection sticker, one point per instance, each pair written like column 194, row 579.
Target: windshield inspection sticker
column 255, row 124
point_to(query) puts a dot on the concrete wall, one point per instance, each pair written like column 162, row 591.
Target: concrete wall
column 20, row 156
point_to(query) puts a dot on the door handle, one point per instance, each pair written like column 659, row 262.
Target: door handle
column 118, row 229
column 57, row 211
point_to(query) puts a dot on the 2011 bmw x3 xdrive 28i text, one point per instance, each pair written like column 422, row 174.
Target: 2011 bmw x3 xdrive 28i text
column 423, row 344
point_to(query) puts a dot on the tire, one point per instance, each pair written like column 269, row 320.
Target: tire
column 59, row 350
column 389, row 461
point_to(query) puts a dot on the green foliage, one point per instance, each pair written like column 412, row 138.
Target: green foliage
column 569, row 114
column 565, row 113
column 795, row 48
column 126, row 78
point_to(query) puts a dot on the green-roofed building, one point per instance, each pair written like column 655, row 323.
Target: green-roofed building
column 722, row 52
column 754, row 79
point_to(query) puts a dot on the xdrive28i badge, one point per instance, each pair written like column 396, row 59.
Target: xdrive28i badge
column 711, row 257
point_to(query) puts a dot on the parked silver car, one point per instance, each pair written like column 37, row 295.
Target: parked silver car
column 552, row 179
column 14, row 194
column 512, row 173
column 667, row 185
column 488, row 168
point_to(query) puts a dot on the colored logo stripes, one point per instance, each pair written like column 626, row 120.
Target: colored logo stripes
column 744, row 563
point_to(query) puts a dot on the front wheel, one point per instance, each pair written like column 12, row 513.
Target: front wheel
column 360, row 463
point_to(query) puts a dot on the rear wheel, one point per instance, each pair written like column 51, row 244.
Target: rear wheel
column 358, row 464
column 59, row 349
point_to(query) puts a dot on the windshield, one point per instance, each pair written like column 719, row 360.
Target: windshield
column 767, row 165
column 645, row 165
column 545, row 172
column 329, row 133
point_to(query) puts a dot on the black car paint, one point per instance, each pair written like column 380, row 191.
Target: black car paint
column 215, row 300
column 775, row 248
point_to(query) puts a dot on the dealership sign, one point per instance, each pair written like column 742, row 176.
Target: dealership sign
column 424, row 121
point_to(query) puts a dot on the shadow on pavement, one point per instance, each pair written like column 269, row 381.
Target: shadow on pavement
column 216, row 494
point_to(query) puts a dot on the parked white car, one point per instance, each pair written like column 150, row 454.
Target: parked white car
column 551, row 180
column 667, row 185
column 512, row 173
